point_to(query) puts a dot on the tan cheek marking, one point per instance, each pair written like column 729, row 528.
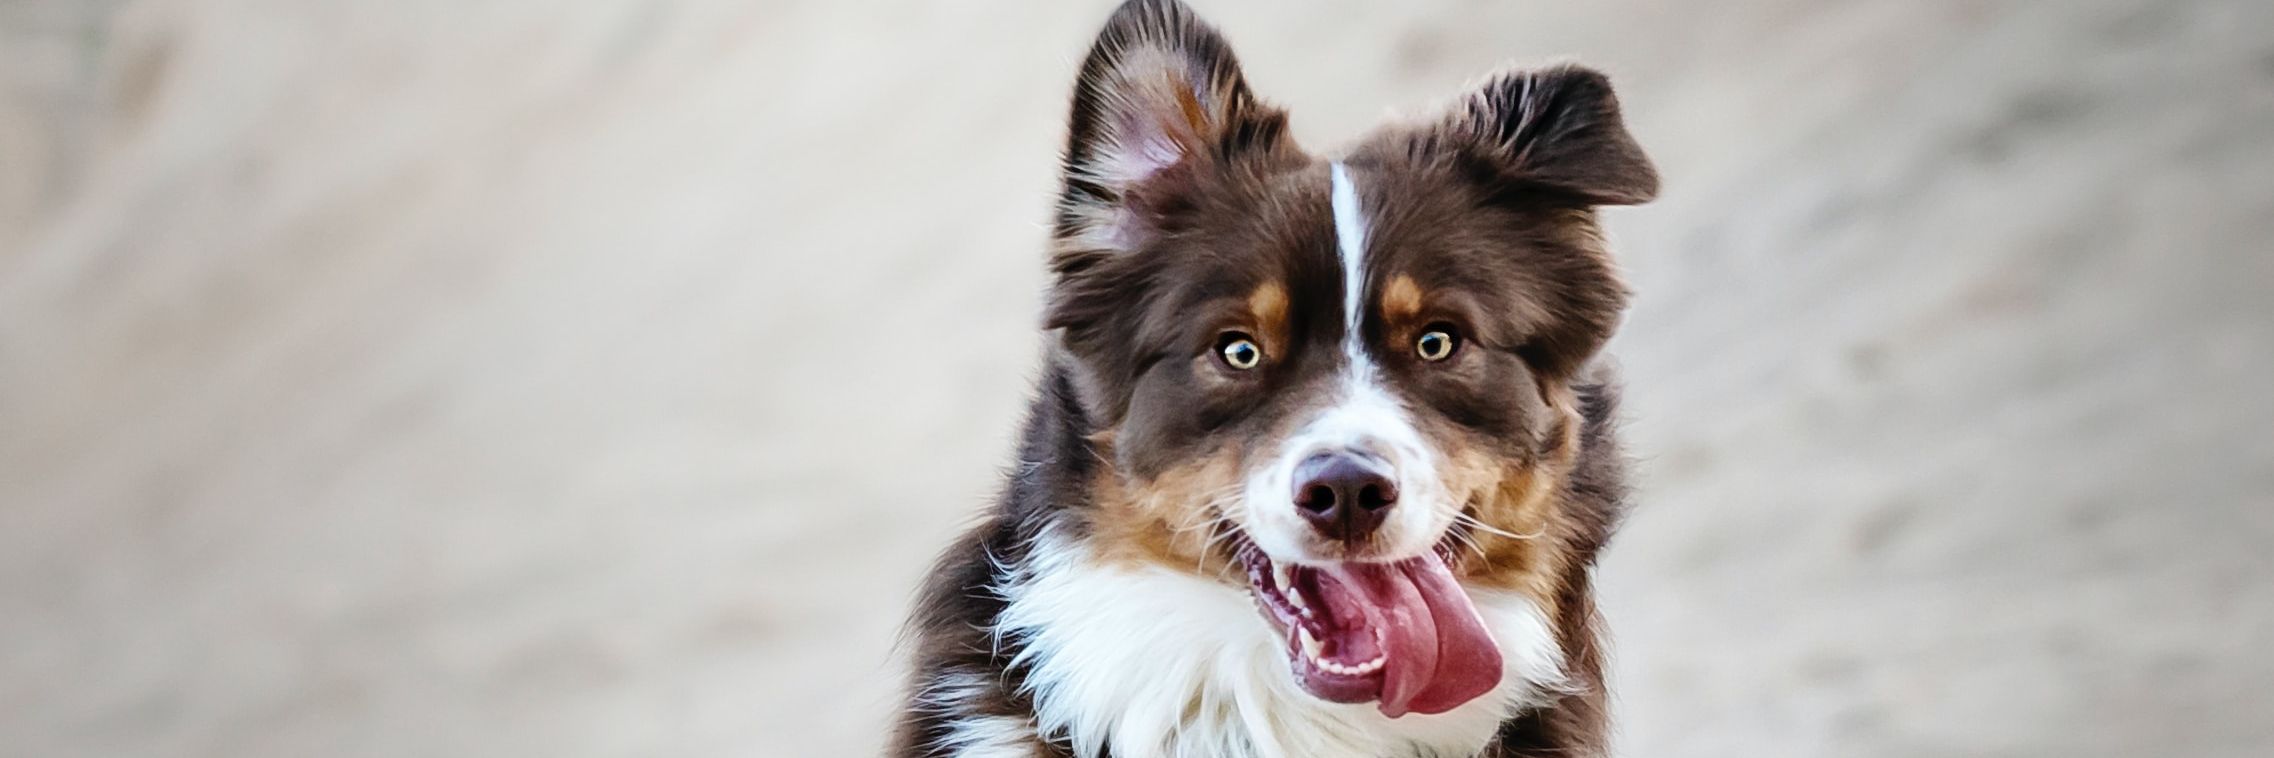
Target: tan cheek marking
column 1401, row 299
column 1168, row 520
column 1268, row 303
column 1517, row 497
column 1520, row 505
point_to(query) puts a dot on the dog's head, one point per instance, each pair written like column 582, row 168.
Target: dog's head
column 1352, row 375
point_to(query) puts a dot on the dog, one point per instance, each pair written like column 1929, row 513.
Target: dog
column 1322, row 451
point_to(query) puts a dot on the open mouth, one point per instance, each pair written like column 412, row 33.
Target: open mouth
column 1401, row 634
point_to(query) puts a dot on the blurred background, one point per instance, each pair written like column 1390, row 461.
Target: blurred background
column 597, row 378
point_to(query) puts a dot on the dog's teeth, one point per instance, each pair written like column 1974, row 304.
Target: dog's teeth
column 1332, row 667
column 1311, row 646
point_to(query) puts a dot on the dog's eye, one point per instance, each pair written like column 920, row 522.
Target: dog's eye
column 1436, row 344
column 1239, row 351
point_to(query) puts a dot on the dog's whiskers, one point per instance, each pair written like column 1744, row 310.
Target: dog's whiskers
column 1473, row 523
column 1470, row 541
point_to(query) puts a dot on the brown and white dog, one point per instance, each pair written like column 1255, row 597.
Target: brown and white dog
column 1321, row 458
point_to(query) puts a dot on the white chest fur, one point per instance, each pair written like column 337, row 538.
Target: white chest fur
column 1153, row 662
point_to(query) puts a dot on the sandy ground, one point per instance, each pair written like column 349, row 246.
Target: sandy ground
column 441, row 378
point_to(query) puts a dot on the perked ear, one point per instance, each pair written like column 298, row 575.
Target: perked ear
column 1557, row 130
column 1159, row 98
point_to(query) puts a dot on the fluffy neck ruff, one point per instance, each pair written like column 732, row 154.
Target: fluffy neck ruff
column 1146, row 660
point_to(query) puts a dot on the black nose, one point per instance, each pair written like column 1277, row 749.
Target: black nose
column 1345, row 495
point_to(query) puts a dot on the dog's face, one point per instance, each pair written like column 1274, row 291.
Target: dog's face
column 1351, row 376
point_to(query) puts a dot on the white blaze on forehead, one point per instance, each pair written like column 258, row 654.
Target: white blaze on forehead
column 1350, row 246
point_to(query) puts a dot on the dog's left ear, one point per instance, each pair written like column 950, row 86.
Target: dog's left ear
column 1160, row 101
column 1555, row 131
column 1550, row 138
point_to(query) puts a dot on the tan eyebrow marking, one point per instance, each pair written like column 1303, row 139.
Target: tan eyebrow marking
column 1401, row 299
column 1268, row 303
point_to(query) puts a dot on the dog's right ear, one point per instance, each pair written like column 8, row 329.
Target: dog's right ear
column 1159, row 102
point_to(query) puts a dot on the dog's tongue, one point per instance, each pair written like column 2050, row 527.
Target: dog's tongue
column 1438, row 654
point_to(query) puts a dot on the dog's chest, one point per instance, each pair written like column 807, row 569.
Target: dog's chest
column 1151, row 662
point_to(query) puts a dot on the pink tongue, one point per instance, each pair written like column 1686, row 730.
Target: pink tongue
column 1438, row 652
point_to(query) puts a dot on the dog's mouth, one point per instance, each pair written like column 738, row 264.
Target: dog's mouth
column 1401, row 634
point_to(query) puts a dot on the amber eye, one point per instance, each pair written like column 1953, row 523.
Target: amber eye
column 1239, row 351
column 1436, row 344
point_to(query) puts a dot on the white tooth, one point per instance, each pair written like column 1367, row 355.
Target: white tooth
column 1311, row 644
column 1286, row 578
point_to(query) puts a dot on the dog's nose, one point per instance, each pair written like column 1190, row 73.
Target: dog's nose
column 1345, row 495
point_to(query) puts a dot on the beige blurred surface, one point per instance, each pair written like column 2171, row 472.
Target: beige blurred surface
column 595, row 378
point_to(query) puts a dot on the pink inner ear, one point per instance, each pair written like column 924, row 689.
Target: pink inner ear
column 1141, row 148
